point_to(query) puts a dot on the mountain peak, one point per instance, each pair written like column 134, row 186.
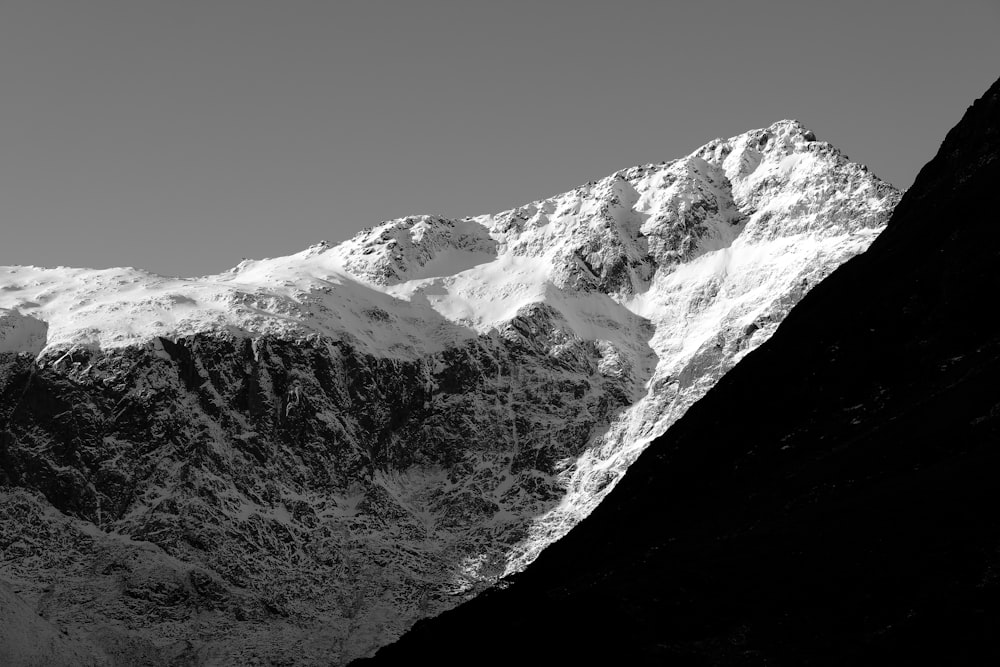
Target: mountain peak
column 355, row 436
column 830, row 501
column 612, row 236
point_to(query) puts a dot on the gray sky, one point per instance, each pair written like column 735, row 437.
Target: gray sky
column 182, row 135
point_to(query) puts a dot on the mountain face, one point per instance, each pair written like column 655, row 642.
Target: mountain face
column 831, row 501
column 298, row 458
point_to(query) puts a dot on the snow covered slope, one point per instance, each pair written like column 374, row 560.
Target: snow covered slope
column 358, row 435
column 21, row 333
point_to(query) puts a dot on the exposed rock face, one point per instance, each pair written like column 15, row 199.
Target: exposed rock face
column 298, row 458
column 830, row 501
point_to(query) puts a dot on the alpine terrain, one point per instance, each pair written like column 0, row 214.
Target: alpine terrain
column 831, row 501
column 293, row 461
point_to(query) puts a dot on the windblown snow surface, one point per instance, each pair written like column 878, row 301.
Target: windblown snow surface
column 542, row 347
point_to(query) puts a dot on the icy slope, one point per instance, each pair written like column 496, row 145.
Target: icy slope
column 355, row 436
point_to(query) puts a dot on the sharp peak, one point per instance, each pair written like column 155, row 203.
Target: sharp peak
column 792, row 125
column 790, row 128
column 795, row 122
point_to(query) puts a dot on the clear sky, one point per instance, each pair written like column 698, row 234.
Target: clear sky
column 181, row 136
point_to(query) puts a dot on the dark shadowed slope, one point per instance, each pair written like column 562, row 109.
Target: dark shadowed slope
column 833, row 500
column 29, row 640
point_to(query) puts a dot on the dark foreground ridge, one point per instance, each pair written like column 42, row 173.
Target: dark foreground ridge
column 833, row 500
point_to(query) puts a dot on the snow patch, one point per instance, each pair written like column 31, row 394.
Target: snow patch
column 22, row 333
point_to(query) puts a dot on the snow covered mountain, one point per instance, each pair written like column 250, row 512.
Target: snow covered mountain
column 831, row 501
column 300, row 457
